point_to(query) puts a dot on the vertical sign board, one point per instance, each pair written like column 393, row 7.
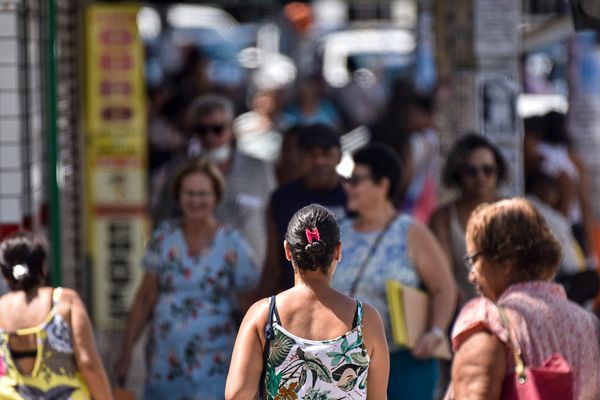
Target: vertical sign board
column 115, row 158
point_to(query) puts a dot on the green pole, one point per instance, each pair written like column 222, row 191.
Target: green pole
column 53, row 148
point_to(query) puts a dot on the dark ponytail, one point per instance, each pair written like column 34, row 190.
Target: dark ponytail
column 22, row 257
column 312, row 235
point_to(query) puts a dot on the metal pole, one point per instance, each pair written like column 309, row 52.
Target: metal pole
column 53, row 147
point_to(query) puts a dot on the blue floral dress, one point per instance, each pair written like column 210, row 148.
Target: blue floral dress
column 409, row 378
column 192, row 332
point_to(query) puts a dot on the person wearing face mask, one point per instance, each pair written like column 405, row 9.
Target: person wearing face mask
column 319, row 183
column 248, row 181
column 475, row 168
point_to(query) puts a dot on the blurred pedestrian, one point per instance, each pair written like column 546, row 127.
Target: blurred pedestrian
column 325, row 344
column 289, row 166
column 562, row 161
column 257, row 132
column 474, row 168
column 382, row 244
column 407, row 125
column 511, row 258
column 320, row 183
column 542, row 191
column 248, row 181
column 311, row 106
column 193, row 269
column 47, row 348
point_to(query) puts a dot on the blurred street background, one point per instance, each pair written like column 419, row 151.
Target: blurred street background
column 94, row 100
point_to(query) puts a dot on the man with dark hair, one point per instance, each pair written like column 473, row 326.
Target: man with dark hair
column 320, row 183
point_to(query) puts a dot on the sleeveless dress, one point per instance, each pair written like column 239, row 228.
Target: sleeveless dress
column 299, row 368
column 410, row 378
column 54, row 375
column 192, row 331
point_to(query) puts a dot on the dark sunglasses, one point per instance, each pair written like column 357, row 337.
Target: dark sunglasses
column 355, row 180
column 470, row 260
column 472, row 170
column 204, row 130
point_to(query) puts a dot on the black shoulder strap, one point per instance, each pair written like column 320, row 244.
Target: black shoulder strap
column 268, row 338
column 357, row 317
column 370, row 254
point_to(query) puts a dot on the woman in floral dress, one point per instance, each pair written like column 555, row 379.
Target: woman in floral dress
column 325, row 345
column 193, row 269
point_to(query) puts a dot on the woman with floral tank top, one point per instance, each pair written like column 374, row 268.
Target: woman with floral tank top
column 323, row 344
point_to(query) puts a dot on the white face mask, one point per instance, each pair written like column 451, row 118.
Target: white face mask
column 219, row 155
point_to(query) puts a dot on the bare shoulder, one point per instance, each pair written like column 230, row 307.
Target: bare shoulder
column 419, row 232
column 70, row 296
column 257, row 314
column 371, row 317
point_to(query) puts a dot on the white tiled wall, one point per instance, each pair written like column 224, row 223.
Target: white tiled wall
column 8, row 24
column 11, row 182
column 8, row 49
column 10, row 209
column 9, row 129
column 8, row 77
column 11, row 163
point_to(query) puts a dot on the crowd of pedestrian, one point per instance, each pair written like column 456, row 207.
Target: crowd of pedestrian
column 238, row 228
column 251, row 217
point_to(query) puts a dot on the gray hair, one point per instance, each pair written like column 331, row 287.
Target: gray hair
column 209, row 103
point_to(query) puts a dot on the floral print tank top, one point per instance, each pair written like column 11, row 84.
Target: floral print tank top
column 305, row 369
column 54, row 375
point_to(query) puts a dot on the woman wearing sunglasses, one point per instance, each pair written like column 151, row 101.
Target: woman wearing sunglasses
column 474, row 169
column 382, row 244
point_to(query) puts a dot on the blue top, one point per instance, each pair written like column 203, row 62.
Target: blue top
column 290, row 198
column 192, row 332
column 325, row 113
column 390, row 261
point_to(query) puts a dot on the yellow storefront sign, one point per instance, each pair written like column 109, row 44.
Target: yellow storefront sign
column 116, row 196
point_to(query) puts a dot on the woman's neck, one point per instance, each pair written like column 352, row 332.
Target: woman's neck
column 315, row 282
column 470, row 202
column 376, row 217
column 199, row 227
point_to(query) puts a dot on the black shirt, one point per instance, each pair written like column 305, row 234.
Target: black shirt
column 288, row 199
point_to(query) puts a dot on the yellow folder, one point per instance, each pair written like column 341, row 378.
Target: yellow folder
column 409, row 315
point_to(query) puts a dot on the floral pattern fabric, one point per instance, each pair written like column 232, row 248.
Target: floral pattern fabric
column 192, row 331
column 55, row 375
column 317, row 370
